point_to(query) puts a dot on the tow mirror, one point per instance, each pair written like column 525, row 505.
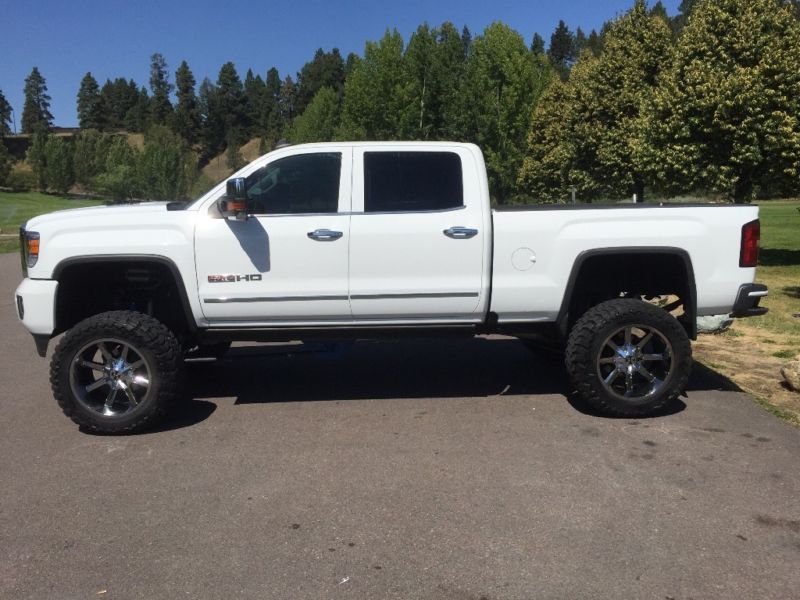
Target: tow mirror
column 233, row 205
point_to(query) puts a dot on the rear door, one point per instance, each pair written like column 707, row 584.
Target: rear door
column 416, row 235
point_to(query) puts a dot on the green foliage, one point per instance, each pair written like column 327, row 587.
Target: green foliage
column 562, row 49
column 726, row 115
column 326, row 69
column 119, row 99
column 58, row 164
column 36, row 109
column 118, row 178
column 319, row 121
column 186, row 118
column 89, row 114
column 230, row 104
column 90, row 151
column 375, row 92
column 503, row 81
column 36, row 155
column 160, row 106
column 585, row 132
column 6, row 162
column 19, row 179
column 5, row 116
column 165, row 167
column 233, row 158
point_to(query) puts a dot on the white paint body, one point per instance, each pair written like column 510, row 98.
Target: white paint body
column 386, row 268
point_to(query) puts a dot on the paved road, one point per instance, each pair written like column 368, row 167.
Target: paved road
column 410, row 469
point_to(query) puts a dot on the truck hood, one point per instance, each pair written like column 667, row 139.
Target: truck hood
column 118, row 213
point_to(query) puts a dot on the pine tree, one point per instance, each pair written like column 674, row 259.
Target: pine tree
column 725, row 117
column 562, row 49
column 6, row 163
column 270, row 115
column 36, row 109
column 288, row 99
column 213, row 126
column 160, row 106
column 537, row 45
column 326, row 69
column 5, row 116
column 137, row 117
column 231, row 105
column 89, row 116
column 186, row 118
column 254, row 98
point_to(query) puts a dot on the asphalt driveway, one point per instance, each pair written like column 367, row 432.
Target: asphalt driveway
column 452, row 469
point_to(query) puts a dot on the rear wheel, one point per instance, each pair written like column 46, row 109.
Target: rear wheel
column 628, row 358
column 117, row 372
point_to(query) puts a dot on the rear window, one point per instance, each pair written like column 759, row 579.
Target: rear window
column 412, row 181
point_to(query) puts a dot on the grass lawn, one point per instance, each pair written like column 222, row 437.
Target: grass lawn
column 18, row 207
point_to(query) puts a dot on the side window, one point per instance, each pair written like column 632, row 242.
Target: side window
column 412, row 181
column 306, row 183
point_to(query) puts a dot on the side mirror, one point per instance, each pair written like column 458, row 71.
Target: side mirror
column 233, row 205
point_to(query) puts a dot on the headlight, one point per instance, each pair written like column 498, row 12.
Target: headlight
column 28, row 248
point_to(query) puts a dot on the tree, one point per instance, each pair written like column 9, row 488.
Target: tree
column 586, row 131
column 725, row 117
column 326, row 69
column 58, row 164
column 537, row 45
column 36, row 109
column 89, row 116
column 502, row 84
column 319, row 121
column 119, row 177
column 562, row 49
column 160, row 106
column 137, row 116
column 374, row 99
column 230, row 103
column 212, row 130
column 186, row 118
column 270, row 115
column 117, row 99
column 288, row 99
column 254, row 98
column 6, row 162
column 164, row 166
column 5, row 116
column 89, row 155
column 36, row 155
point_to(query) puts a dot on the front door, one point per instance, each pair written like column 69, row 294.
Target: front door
column 288, row 262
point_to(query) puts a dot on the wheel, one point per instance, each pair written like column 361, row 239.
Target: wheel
column 117, row 372
column 628, row 358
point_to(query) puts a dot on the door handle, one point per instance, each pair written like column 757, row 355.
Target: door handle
column 460, row 233
column 324, row 235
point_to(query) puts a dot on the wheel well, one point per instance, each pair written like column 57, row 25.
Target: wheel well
column 647, row 273
column 89, row 287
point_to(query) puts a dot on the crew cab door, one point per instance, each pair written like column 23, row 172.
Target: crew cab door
column 418, row 238
column 288, row 261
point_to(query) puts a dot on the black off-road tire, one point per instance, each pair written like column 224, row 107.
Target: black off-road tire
column 587, row 342
column 152, row 344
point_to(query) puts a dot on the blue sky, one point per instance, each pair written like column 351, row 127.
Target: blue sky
column 112, row 38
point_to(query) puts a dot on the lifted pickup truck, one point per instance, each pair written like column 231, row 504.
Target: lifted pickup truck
column 359, row 240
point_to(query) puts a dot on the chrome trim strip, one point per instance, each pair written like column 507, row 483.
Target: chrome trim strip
column 272, row 299
column 357, row 213
column 421, row 295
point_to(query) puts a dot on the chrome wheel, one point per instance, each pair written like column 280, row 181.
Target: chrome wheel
column 110, row 377
column 634, row 362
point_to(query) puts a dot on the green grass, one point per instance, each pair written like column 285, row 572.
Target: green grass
column 779, row 267
column 18, row 207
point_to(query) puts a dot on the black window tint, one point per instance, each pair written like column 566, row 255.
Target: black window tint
column 412, row 181
column 306, row 183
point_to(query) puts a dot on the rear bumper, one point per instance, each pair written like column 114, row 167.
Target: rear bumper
column 747, row 301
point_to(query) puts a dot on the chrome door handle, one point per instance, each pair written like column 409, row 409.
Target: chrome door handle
column 460, row 233
column 324, row 235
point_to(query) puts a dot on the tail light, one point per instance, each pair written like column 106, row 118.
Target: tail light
column 751, row 234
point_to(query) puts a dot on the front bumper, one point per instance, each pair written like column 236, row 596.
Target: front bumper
column 35, row 301
column 747, row 301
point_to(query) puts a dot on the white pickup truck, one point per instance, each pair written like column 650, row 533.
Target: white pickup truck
column 359, row 240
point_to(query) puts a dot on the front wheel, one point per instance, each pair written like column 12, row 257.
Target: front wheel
column 628, row 358
column 117, row 372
